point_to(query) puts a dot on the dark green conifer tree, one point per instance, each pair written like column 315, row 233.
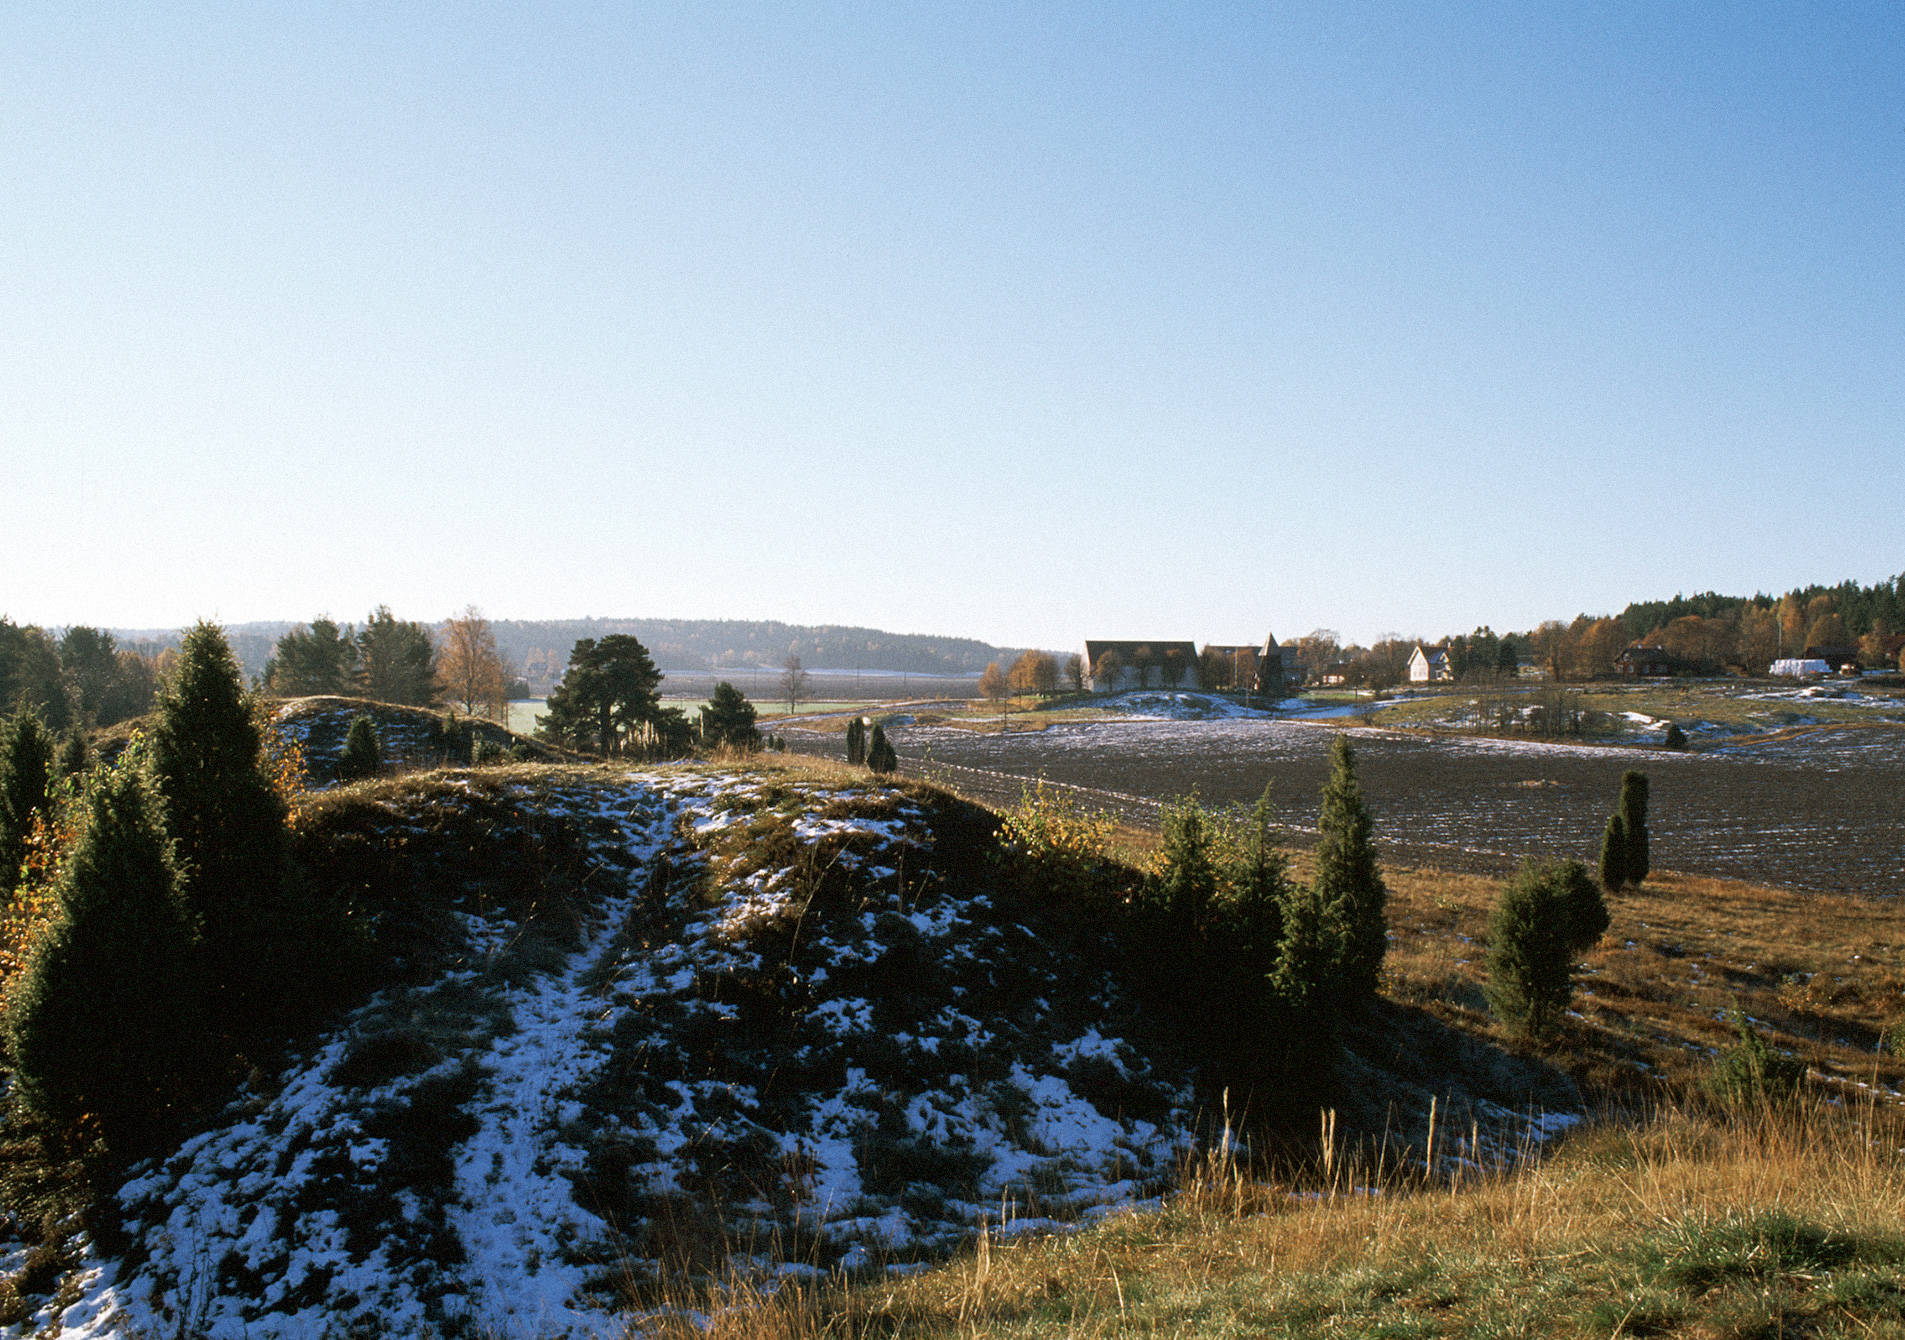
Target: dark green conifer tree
column 26, row 779
column 1305, row 990
column 398, row 660
column 1348, row 882
column 103, row 1020
column 1614, row 854
column 1531, row 948
column 729, row 719
column 880, row 755
column 608, row 691
column 857, row 741
column 1586, row 909
column 1633, row 812
column 228, row 824
column 75, row 755
column 363, row 753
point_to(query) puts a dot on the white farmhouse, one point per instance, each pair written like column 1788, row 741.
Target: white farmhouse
column 1429, row 665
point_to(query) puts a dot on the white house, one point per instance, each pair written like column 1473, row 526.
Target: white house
column 1428, row 665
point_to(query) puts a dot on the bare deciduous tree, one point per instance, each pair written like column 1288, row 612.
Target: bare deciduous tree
column 793, row 682
column 470, row 668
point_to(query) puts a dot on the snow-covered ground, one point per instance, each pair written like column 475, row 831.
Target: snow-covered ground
column 778, row 1023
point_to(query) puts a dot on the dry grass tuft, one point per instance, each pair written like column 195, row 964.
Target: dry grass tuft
column 1780, row 1223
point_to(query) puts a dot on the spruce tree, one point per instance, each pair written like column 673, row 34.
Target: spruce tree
column 102, row 1019
column 363, row 754
column 1348, row 883
column 1531, row 948
column 1614, row 854
column 75, row 755
column 1586, row 909
column 1187, row 869
column 857, row 741
column 1304, row 987
column 1257, row 885
column 880, row 755
column 228, row 824
column 1633, row 812
column 26, row 778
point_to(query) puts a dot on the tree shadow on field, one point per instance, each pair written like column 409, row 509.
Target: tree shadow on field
column 1398, row 1057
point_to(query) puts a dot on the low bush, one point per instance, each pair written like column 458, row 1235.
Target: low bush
column 1752, row 1074
column 1548, row 913
column 363, row 754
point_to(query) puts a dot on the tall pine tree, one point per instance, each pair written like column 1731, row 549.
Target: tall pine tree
column 1349, row 886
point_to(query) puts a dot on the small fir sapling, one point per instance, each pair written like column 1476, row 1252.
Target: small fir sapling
column 1633, row 812
column 1548, row 913
column 1614, row 854
column 857, row 741
column 75, row 755
column 363, row 754
column 880, row 755
column 26, row 779
column 1348, row 881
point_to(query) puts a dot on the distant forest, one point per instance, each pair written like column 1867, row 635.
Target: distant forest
column 1877, row 608
column 538, row 649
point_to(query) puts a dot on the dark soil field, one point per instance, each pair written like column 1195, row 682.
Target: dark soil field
column 1820, row 809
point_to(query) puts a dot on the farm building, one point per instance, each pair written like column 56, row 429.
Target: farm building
column 1256, row 669
column 1116, row 666
column 1644, row 662
column 1429, row 665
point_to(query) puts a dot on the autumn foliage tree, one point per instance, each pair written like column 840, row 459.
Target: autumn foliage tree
column 470, row 669
column 1035, row 672
column 994, row 684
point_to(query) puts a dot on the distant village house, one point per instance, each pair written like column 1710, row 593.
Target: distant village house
column 1644, row 662
column 1429, row 665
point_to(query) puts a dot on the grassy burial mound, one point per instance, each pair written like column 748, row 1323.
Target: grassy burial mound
column 622, row 1026
column 406, row 737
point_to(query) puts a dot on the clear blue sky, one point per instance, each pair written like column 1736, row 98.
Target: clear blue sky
column 1021, row 322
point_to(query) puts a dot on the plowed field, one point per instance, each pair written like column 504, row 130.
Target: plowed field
column 1817, row 809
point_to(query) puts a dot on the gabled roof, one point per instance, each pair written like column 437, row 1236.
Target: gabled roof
column 1126, row 650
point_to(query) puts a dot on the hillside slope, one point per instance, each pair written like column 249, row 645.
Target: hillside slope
column 637, row 1021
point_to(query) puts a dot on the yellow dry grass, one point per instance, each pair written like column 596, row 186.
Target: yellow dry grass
column 1768, row 1225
